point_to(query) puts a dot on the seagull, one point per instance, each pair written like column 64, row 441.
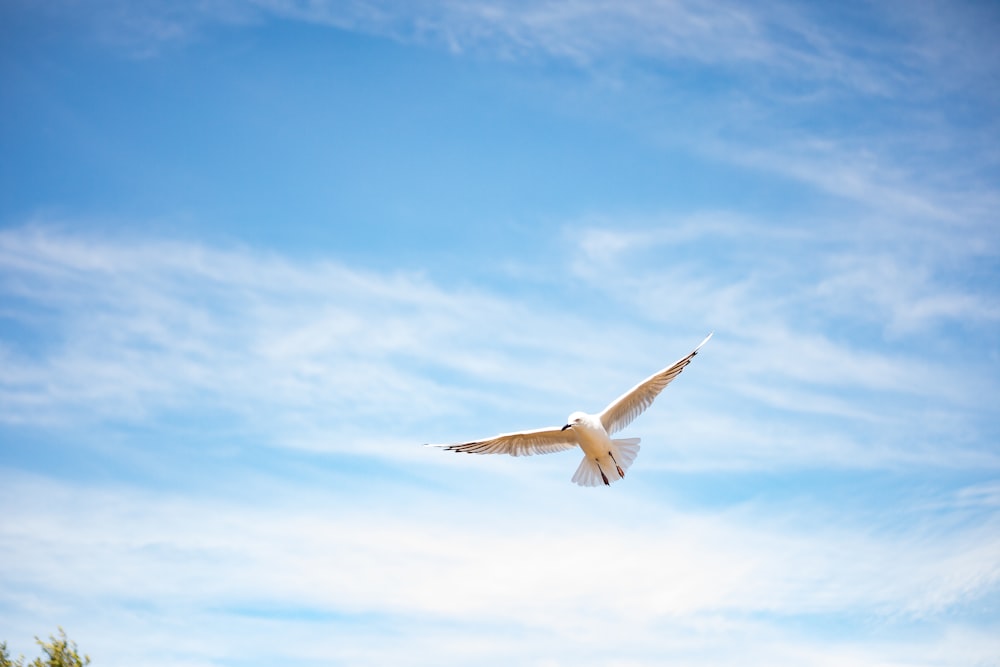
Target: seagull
column 604, row 459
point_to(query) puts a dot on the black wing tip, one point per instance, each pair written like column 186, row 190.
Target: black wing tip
column 463, row 448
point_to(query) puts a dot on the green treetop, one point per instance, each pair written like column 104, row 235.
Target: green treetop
column 59, row 652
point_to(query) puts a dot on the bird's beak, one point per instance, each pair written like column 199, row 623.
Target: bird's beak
column 566, row 427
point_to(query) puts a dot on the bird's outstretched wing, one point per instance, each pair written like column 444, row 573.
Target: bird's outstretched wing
column 522, row 443
column 631, row 404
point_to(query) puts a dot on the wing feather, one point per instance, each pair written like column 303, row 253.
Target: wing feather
column 632, row 403
column 521, row 443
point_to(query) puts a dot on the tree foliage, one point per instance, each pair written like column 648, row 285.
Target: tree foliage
column 59, row 652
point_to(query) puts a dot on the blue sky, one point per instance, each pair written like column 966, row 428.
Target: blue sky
column 253, row 254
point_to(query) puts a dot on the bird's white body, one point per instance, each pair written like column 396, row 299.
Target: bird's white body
column 605, row 459
column 592, row 437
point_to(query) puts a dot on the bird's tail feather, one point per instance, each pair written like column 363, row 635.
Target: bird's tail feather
column 589, row 472
column 628, row 449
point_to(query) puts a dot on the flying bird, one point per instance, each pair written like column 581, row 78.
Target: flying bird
column 604, row 459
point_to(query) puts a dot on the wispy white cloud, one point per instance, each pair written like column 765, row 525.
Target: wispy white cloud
column 310, row 355
column 906, row 297
column 845, row 324
column 786, row 39
column 834, row 100
column 485, row 570
column 906, row 274
column 144, row 326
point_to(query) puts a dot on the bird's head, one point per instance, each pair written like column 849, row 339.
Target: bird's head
column 574, row 420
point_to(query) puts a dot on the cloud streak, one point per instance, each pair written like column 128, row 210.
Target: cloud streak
column 130, row 331
column 82, row 547
column 788, row 39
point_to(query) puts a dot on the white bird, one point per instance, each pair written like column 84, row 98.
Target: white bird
column 604, row 459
